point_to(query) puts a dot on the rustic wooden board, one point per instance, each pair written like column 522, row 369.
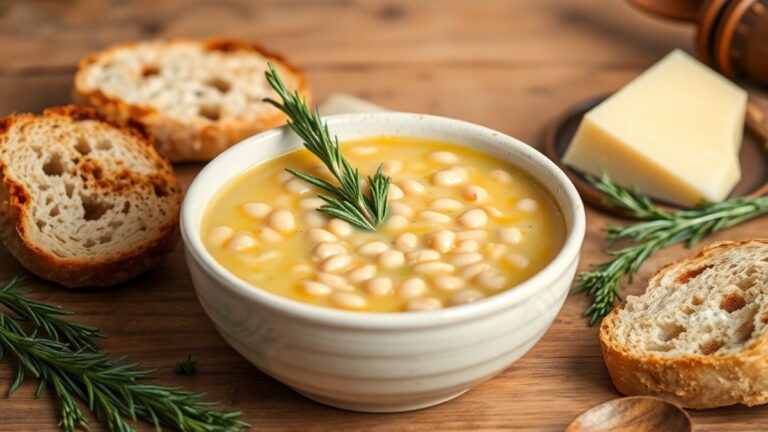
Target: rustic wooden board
column 510, row 65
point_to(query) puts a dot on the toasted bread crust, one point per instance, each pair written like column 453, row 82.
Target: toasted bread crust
column 694, row 381
column 179, row 141
column 75, row 273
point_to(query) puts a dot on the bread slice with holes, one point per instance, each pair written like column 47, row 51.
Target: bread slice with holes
column 84, row 202
column 699, row 334
column 196, row 98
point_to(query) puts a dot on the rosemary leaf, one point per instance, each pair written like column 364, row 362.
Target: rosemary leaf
column 64, row 357
column 186, row 366
column 346, row 201
column 656, row 230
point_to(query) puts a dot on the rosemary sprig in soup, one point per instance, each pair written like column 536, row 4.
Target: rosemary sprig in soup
column 346, row 201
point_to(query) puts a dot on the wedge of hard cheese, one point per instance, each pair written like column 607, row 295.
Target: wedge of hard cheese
column 674, row 133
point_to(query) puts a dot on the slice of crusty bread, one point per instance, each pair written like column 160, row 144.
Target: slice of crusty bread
column 699, row 334
column 196, row 98
column 84, row 202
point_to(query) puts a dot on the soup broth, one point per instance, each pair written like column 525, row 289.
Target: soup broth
column 462, row 226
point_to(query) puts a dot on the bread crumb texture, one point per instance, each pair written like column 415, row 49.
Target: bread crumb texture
column 80, row 191
column 698, row 334
column 715, row 306
column 196, row 97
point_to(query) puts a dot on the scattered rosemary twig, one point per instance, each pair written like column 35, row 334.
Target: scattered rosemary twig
column 658, row 229
column 347, row 201
column 186, row 366
column 64, row 356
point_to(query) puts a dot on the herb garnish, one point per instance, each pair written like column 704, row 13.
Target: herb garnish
column 657, row 230
column 186, row 366
column 65, row 357
column 347, row 201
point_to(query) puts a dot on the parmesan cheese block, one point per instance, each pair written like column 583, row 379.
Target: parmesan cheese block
column 674, row 133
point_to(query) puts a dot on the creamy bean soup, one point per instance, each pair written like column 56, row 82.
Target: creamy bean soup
column 462, row 226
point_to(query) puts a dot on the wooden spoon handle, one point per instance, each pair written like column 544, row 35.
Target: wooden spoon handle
column 757, row 117
column 681, row 10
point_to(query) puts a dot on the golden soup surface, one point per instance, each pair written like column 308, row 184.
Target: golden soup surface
column 462, row 226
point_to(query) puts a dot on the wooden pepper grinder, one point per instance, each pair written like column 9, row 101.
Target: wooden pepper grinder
column 732, row 35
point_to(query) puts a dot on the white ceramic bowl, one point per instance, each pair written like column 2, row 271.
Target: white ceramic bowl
column 381, row 362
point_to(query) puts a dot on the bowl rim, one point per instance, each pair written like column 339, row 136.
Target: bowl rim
column 568, row 253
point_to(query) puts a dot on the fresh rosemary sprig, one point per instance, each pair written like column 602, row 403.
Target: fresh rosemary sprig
column 48, row 318
column 658, row 229
column 118, row 393
column 186, row 366
column 347, row 201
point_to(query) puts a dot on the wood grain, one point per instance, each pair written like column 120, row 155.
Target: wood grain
column 510, row 65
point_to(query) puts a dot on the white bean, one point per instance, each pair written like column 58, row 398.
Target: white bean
column 311, row 203
column 316, row 288
column 491, row 280
column 317, row 235
column 473, row 270
column 220, row 235
column 336, row 263
column 423, row 255
column 335, row 281
column 269, row 235
column 448, row 283
column 339, row 227
column 474, row 218
column 475, row 194
column 362, row 273
column 466, row 296
column 302, row 270
column 446, row 205
column 441, row 241
column 412, row 187
column 423, row 304
column 322, row 170
column 527, row 205
column 434, row 217
column 395, row 193
column 432, row 267
column 298, row 186
column 450, row 177
column 511, row 235
column 256, row 210
column 466, row 246
column 471, row 235
column 241, row 242
column 465, row 259
column 406, row 242
column 284, row 176
column 391, row 167
column 379, row 286
column 314, row 219
column 397, row 208
column 397, row 223
column 518, row 261
column 267, row 255
column 494, row 251
column 363, row 150
column 500, row 176
column 282, row 221
column 326, row 250
column 412, row 287
column 493, row 211
column 443, row 157
column 349, row 300
column 391, row 259
column 373, row 248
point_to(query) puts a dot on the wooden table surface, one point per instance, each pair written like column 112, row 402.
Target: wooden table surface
column 510, row 65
